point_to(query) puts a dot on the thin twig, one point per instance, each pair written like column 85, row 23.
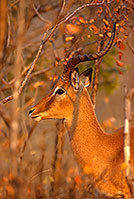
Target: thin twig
column 59, row 143
column 7, row 99
column 5, row 115
column 39, row 15
column 26, row 141
column 128, row 43
column 14, row 79
column 95, row 81
column 9, row 31
column 41, row 71
column 55, row 52
column 27, row 134
column 36, row 175
column 96, row 75
column 62, row 9
column 130, row 46
column 31, row 69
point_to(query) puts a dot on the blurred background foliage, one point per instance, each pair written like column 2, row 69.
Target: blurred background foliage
column 42, row 165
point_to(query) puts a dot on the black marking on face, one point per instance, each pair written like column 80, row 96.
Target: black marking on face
column 75, row 80
column 59, row 91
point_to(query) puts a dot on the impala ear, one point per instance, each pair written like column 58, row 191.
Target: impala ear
column 75, row 79
column 87, row 76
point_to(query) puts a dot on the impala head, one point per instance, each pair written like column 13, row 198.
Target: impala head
column 55, row 104
column 59, row 104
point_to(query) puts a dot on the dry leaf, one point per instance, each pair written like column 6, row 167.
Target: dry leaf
column 122, row 30
column 72, row 29
column 54, row 77
column 69, row 38
column 4, row 179
column 120, row 72
column 117, row 25
column 74, row 18
column 107, row 123
column 109, row 34
column 106, row 22
column 101, row 35
column 10, row 190
column 120, row 55
column 78, row 180
column 82, row 20
column 91, row 21
column 94, row 28
column 29, row 190
column 106, row 100
column 119, row 63
column 120, row 44
column 37, row 84
column 100, row 11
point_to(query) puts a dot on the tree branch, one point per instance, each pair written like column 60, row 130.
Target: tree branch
column 96, row 74
column 45, row 38
column 129, row 173
column 69, row 16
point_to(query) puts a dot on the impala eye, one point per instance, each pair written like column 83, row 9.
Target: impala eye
column 59, row 91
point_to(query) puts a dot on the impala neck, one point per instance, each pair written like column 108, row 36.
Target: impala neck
column 87, row 137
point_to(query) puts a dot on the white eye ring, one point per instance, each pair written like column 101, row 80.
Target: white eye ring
column 56, row 89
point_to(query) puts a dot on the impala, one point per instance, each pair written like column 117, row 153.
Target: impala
column 102, row 152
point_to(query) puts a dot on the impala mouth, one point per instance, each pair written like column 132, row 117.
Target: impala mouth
column 33, row 117
column 36, row 117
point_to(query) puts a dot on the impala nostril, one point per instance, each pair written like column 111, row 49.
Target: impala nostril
column 31, row 111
